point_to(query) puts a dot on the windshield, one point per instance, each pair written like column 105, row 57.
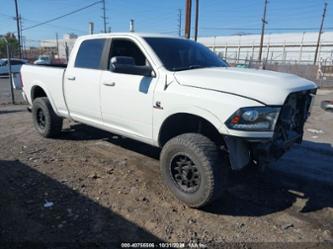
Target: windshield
column 180, row 54
column 43, row 58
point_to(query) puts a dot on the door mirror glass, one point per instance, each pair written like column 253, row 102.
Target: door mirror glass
column 126, row 65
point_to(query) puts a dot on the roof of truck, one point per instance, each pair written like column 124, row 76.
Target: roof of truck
column 132, row 34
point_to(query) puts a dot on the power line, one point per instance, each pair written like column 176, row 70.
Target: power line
column 62, row 16
column 256, row 29
column 53, row 25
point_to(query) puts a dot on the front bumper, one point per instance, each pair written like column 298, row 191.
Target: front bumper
column 243, row 151
column 288, row 131
column 265, row 151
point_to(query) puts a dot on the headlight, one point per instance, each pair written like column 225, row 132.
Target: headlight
column 254, row 119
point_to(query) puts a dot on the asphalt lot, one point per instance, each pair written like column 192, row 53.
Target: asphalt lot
column 99, row 189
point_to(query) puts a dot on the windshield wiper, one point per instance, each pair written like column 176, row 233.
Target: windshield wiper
column 186, row 68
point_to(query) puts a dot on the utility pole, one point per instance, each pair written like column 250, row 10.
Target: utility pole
column 90, row 28
column 196, row 20
column 264, row 22
column 320, row 32
column 179, row 22
column 132, row 29
column 104, row 15
column 18, row 28
column 188, row 19
column 22, row 39
column 301, row 49
column 66, row 51
column 9, row 64
column 57, row 40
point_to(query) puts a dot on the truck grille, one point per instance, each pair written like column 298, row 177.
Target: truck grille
column 293, row 115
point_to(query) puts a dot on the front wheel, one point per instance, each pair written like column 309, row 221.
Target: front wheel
column 193, row 169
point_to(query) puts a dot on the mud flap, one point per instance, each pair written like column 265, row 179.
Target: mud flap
column 239, row 153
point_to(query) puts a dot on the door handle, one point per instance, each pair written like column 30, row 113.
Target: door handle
column 109, row 84
column 71, row 77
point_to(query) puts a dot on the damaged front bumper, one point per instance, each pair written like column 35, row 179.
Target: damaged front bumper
column 243, row 151
column 288, row 131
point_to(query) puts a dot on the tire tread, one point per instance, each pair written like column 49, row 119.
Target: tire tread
column 55, row 122
column 211, row 163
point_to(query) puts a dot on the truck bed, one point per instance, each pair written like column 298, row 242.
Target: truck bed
column 50, row 78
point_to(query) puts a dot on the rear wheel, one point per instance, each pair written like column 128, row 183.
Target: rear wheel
column 192, row 168
column 46, row 122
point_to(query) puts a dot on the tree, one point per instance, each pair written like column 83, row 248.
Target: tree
column 13, row 45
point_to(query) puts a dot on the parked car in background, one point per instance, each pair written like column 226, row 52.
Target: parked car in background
column 15, row 65
column 327, row 105
column 43, row 60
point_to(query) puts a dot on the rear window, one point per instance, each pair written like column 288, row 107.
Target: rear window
column 90, row 54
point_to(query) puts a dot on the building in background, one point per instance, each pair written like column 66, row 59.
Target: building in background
column 61, row 48
column 278, row 48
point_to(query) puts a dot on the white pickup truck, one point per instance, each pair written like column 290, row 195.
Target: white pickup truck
column 176, row 94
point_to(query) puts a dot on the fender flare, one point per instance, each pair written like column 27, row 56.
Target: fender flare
column 191, row 110
column 48, row 95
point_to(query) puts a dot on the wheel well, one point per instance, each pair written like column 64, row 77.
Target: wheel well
column 37, row 92
column 181, row 123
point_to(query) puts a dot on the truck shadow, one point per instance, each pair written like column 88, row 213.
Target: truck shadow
column 70, row 221
column 248, row 193
column 257, row 194
column 80, row 132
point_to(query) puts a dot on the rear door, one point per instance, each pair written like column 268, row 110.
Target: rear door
column 82, row 82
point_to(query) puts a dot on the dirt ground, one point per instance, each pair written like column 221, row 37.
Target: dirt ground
column 93, row 189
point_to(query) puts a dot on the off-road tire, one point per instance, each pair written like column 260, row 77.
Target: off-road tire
column 209, row 162
column 52, row 124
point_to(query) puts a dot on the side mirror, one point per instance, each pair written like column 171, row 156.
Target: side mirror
column 126, row 65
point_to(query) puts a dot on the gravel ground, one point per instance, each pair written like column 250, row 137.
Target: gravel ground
column 94, row 189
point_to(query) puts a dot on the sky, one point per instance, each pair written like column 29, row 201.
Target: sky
column 217, row 17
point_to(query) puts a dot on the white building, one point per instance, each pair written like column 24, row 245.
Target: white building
column 278, row 48
column 67, row 41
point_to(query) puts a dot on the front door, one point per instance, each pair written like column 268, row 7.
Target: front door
column 127, row 99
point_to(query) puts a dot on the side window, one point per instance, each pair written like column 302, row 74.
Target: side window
column 90, row 54
column 123, row 47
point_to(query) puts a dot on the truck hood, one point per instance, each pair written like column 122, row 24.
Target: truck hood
column 268, row 87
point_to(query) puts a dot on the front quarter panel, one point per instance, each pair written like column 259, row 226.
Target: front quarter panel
column 215, row 107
